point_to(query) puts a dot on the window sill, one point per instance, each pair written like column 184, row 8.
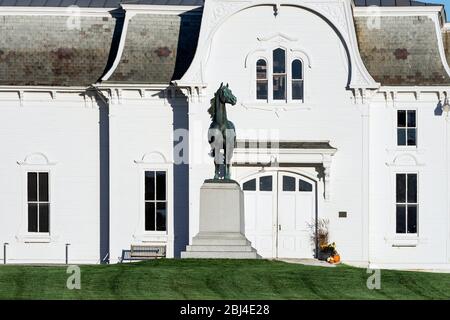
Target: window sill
column 276, row 105
column 406, row 149
column 35, row 238
column 404, row 241
column 151, row 236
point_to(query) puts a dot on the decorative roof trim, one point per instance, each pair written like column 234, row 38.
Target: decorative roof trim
column 58, row 11
column 157, row 86
column 437, row 18
column 430, row 11
column 396, row 11
column 43, row 88
column 337, row 13
column 160, row 9
column 123, row 36
column 415, row 88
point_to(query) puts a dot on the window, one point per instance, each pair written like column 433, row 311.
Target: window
column 261, row 80
column 38, row 202
column 406, row 128
column 155, row 201
column 288, row 183
column 297, row 80
column 406, row 203
column 286, row 74
column 304, row 186
column 265, row 183
column 279, row 74
column 250, row 185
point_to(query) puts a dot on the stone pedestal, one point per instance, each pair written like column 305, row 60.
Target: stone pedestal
column 221, row 232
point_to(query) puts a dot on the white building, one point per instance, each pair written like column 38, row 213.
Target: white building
column 340, row 116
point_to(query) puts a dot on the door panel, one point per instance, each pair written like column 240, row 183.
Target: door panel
column 295, row 211
column 278, row 208
column 259, row 207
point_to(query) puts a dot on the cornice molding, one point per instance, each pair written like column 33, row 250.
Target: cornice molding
column 56, row 11
column 161, row 9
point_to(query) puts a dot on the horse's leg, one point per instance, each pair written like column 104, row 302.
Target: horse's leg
column 230, row 137
column 215, row 139
column 217, row 172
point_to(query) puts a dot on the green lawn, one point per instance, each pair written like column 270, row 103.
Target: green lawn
column 217, row 279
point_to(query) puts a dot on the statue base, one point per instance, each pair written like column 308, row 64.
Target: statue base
column 221, row 231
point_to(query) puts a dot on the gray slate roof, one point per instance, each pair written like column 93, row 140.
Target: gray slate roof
column 96, row 3
column 403, row 51
column 35, row 50
column 158, row 48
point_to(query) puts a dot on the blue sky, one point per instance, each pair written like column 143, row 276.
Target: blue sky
column 446, row 3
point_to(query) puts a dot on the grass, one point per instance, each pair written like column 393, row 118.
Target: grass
column 217, row 279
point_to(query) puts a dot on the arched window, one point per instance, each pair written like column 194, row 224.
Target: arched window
column 297, row 80
column 261, row 80
column 280, row 78
column 279, row 74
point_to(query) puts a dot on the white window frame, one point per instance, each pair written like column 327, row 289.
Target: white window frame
column 37, row 162
column 154, row 232
column 49, row 202
column 406, row 147
column 267, row 55
column 406, row 203
column 302, row 80
column 287, row 74
column 154, row 161
column 269, row 85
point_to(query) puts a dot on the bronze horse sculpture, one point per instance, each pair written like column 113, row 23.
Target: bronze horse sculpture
column 221, row 133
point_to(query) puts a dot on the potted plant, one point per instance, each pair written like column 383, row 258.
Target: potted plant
column 320, row 240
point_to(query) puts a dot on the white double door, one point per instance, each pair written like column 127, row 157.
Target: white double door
column 279, row 206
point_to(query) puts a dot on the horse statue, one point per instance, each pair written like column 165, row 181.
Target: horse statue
column 221, row 133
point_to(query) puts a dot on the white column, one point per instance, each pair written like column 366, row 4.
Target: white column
column 198, row 153
column 326, row 177
column 447, row 158
column 365, row 183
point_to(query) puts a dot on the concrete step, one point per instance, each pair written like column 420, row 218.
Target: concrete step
column 219, row 255
column 220, row 242
column 219, row 248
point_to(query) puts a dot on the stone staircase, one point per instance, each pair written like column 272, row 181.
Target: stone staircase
column 220, row 246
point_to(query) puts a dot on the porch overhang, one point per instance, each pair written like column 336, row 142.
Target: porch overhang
column 282, row 153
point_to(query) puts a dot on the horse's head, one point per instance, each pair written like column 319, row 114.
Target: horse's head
column 225, row 95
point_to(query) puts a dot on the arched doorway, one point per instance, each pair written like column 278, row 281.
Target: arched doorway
column 279, row 205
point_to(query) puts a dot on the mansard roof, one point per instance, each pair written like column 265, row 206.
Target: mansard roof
column 402, row 50
column 159, row 56
column 38, row 51
column 158, row 48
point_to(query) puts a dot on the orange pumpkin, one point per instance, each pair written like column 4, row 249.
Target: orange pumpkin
column 336, row 258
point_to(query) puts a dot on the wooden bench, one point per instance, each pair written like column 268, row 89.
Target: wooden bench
column 143, row 252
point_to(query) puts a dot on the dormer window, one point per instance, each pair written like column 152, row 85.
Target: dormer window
column 297, row 79
column 261, row 80
column 287, row 77
column 279, row 74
